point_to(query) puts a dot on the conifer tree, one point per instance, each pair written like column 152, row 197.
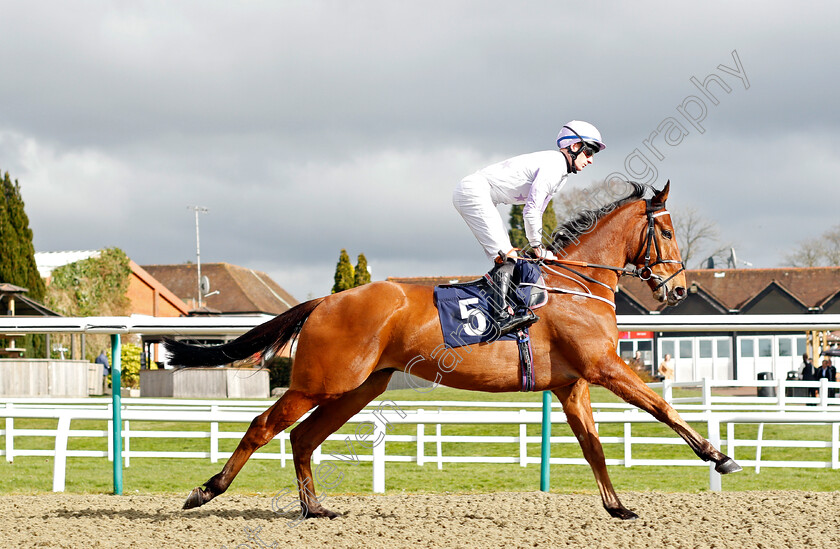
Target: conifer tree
column 549, row 223
column 17, row 252
column 8, row 243
column 517, row 225
column 25, row 270
column 343, row 273
column 361, row 274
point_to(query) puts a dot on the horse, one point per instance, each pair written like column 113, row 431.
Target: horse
column 349, row 344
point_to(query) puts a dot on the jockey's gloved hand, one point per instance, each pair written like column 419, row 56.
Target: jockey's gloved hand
column 542, row 253
column 502, row 256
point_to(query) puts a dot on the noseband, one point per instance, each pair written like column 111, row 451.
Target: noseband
column 653, row 210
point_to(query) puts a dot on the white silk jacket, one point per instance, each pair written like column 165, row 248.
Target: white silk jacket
column 531, row 179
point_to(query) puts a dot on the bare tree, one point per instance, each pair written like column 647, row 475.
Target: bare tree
column 821, row 251
column 698, row 237
column 831, row 239
column 809, row 254
column 571, row 202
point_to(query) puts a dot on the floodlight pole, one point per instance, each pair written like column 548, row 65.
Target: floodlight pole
column 198, row 209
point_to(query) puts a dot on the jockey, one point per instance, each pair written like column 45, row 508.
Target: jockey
column 530, row 179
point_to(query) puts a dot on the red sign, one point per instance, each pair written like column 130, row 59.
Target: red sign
column 635, row 335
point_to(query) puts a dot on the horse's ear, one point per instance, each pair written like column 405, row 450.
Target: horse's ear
column 662, row 196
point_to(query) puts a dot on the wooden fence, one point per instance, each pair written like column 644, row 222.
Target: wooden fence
column 46, row 377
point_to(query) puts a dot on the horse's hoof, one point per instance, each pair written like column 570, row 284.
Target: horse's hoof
column 321, row 513
column 197, row 498
column 622, row 513
column 727, row 466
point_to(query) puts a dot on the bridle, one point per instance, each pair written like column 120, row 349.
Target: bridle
column 653, row 210
column 645, row 273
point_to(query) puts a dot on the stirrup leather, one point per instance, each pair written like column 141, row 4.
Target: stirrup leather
column 506, row 321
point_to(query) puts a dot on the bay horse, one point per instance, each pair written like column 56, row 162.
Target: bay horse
column 350, row 343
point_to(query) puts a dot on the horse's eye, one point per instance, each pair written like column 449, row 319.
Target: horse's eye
column 666, row 233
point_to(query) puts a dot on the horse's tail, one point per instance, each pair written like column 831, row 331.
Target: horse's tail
column 263, row 341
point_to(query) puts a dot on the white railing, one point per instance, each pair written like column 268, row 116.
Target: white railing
column 389, row 413
column 706, row 400
column 781, row 399
column 198, row 325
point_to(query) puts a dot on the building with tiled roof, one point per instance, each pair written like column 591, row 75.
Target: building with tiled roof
column 743, row 356
column 13, row 302
column 234, row 290
column 749, row 291
column 149, row 296
column 146, row 295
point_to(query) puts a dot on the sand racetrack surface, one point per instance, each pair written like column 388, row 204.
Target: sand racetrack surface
column 729, row 519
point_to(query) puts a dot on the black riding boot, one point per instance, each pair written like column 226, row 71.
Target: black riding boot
column 501, row 284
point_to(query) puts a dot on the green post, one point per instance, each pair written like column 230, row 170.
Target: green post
column 545, row 456
column 116, row 404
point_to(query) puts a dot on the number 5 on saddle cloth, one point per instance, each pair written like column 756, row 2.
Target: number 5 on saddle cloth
column 466, row 315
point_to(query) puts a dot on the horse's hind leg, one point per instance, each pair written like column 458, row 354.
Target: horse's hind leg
column 263, row 428
column 613, row 374
column 576, row 404
column 315, row 429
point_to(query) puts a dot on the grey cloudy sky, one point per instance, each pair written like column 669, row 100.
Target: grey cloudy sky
column 307, row 127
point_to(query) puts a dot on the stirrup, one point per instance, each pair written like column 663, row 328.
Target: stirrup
column 514, row 323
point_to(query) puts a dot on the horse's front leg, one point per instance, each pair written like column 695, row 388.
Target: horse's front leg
column 576, row 405
column 612, row 373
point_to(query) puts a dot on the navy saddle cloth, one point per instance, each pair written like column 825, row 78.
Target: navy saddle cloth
column 466, row 315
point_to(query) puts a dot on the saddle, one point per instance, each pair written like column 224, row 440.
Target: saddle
column 465, row 317
column 525, row 273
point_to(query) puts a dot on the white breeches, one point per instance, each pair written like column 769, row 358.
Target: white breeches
column 472, row 200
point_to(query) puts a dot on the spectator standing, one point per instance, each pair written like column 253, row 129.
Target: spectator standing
column 106, row 368
column 828, row 372
column 807, row 372
column 638, row 365
column 666, row 370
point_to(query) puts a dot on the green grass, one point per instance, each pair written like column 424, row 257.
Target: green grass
column 176, row 475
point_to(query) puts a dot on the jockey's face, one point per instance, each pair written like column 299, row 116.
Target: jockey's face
column 582, row 160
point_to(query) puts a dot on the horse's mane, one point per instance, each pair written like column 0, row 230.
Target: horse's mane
column 583, row 222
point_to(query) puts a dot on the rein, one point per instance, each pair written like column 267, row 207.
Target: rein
column 653, row 210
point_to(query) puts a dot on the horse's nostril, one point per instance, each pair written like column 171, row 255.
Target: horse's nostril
column 679, row 291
